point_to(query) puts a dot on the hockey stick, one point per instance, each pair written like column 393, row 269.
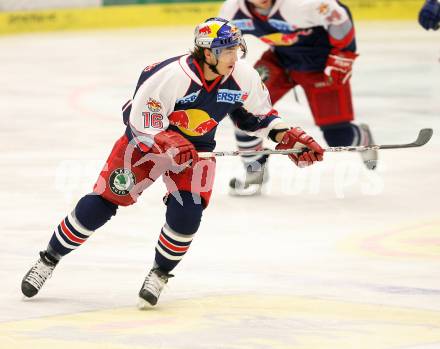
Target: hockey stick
column 424, row 136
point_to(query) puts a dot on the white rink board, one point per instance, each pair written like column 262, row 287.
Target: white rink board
column 329, row 257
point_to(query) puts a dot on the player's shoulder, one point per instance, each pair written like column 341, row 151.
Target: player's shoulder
column 244, row 73
column 230, row 8
column 229, row 4
column 178, row 68
column 169, row 74
column 307, row 6
column 310, row 12
column 242, row 66
column 298, row 12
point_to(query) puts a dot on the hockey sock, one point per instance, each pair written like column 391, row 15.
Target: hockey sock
column 182, row 222
column 342, row 134
column 251, row 163
column 91, row 212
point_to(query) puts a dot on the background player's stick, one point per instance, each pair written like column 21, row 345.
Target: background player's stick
column 423, row 138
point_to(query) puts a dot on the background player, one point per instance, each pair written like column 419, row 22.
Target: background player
column 312, row 44
column 174, row 113
column 429, row 15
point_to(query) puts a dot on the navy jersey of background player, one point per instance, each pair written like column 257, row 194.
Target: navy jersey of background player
column 301, row 32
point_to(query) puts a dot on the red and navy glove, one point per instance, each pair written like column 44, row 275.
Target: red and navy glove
column 294, row 138
column 339, row 65
column 176, row 146
column 429, row 15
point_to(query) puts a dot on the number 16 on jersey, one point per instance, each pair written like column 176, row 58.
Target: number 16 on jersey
column 153, row 120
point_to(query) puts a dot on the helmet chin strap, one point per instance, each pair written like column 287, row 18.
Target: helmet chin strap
column 213, row 67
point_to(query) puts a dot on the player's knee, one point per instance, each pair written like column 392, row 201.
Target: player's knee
column 340, row 135
column 93, row 211
column 184, row 214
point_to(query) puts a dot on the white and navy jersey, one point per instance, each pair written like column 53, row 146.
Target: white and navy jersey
column 174, row 95
column 301, row 32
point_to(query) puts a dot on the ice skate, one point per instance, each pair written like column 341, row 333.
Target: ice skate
column 369, row 157
column 152, row 287
column 252, row 183
column 35, row 278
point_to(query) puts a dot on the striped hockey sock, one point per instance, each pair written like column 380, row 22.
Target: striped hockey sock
column 91, row 212
column 246, row 142
column 170, row 248
column 68, row 236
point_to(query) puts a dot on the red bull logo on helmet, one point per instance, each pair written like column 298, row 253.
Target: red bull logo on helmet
column 205, row 30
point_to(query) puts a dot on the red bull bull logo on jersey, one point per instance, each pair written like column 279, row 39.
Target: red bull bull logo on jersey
column 280, row 39
column 192, row 122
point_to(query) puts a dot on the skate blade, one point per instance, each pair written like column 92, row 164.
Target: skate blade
column 370, row 158
column 144, row 305
column 371, row 164
column 250, row 190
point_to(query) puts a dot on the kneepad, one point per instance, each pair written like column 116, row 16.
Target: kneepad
column 341, row 135
column 184, row 214
column 93, row 211
column 329, row 104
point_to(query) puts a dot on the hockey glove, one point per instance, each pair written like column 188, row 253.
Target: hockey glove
column 297, row 138
column 339, row 65
column 176, row 146
column 429, row 15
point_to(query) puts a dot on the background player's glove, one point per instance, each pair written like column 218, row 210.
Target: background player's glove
column 297, row 138
column 339, row 65
column 176, row 146
column 429, row 15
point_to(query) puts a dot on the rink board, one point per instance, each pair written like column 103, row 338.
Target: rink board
column 106, row 17
column 166, row 15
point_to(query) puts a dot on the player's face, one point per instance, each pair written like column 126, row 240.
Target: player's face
column 263, row 4
column 227, row 59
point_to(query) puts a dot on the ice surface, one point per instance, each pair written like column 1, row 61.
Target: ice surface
column 332, row 256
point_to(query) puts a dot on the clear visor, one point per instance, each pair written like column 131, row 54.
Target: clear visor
column 220, row 51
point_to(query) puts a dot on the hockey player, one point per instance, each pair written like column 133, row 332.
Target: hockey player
column 312, row 44
column 429, row 15
column 173, row 115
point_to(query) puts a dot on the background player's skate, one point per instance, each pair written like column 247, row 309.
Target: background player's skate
column 254, row 176
column 369, row 157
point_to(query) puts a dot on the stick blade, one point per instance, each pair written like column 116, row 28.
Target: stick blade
column 425, row 135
